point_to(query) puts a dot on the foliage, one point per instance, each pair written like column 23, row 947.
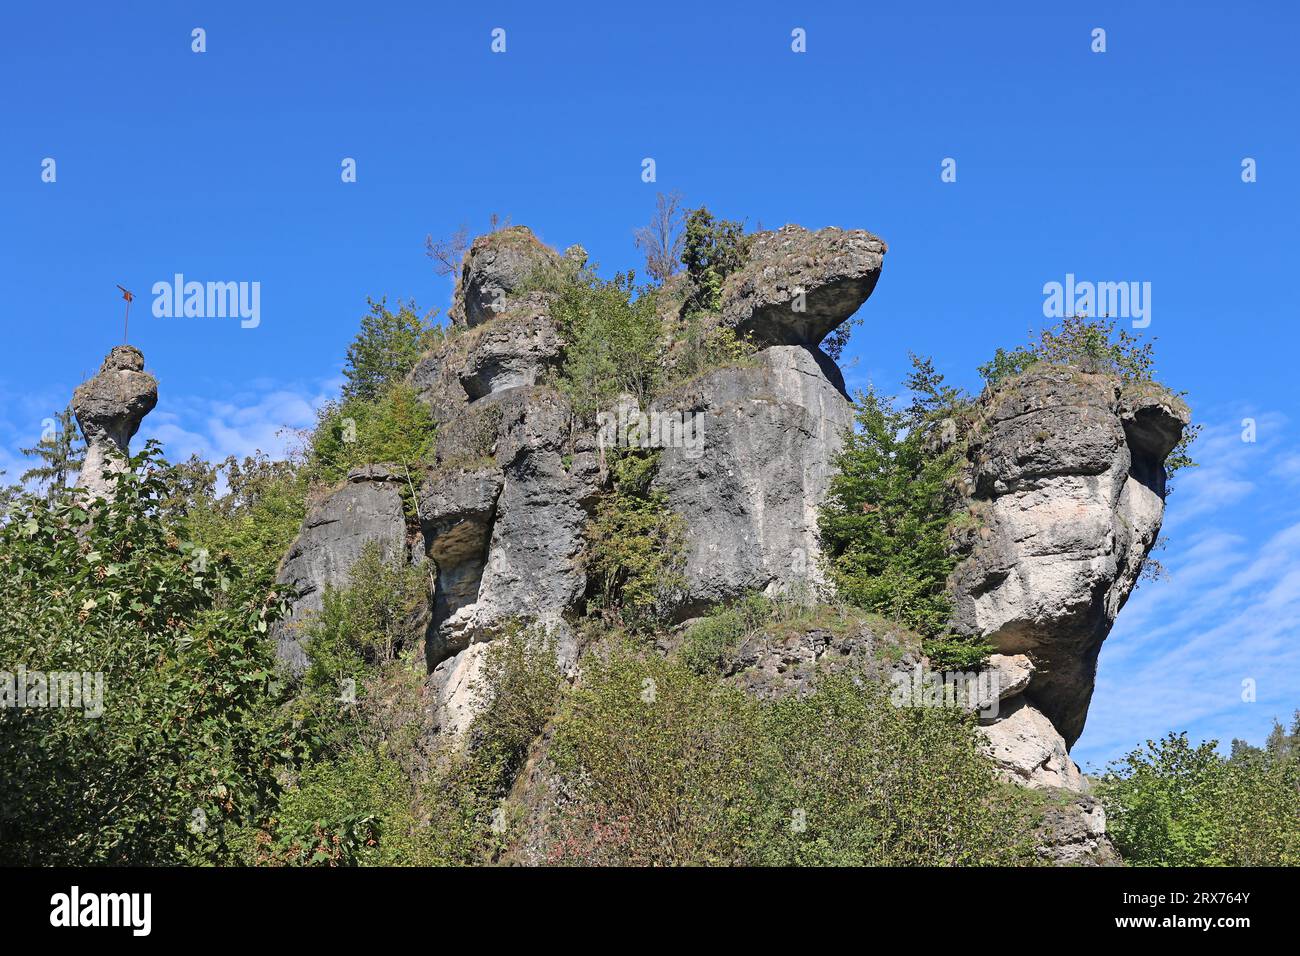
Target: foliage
column 634, row 542
column 366, row 624
column 1096, row 346
column 61, row 454
column 612, row 337
column 253, row 522
column 668, row 766
column 885, row 522
column 711, row 641
column 1175, row 804
column 395, row 426
column 705, row 346
column 386, row 349
column 190, row 735
column 712, row 250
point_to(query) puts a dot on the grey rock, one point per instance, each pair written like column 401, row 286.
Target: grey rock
column 436, row 379
column 496, row 266
column 750, row 498
column 521, row 558
column 1072, row 831
column 516, row 348
column 109, row 408
column 778, row 662
column 333, row 536
column 797, row 285
column 1028, row 750
column 1067, row 489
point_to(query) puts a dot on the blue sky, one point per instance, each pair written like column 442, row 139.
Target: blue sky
column 1115, row 166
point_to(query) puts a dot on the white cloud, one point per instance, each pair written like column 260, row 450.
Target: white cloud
column 1228, row 612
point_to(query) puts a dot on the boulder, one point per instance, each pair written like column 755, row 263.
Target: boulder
column 368, row 508
column 495, row 268
column 109, row 408
column 796, row 286
column 1028, row 750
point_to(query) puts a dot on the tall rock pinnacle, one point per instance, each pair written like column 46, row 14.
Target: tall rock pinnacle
column 109, row 409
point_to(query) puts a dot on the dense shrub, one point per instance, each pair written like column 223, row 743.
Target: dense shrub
column 612, row 337
column 1175, row 804
column 713, row 249
column 186, row 749
column 668, row 766
column 885, row 524
column 395, row 427
column 387, row 348
column 634, row 543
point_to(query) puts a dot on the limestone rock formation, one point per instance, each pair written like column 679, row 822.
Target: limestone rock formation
column 797, row 285
column 1067, row 488
column 109, row 408
column 749, row 497
column 1072, row 831
column 368, row 508
column 497, row 265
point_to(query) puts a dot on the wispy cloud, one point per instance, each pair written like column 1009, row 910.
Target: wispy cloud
column 1227, row 617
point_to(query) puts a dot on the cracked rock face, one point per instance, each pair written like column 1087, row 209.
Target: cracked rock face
column 797, row 286
column 496, row 265
column 1067, row 489
column 749, row 498
column 109, row 409
column 335, row 532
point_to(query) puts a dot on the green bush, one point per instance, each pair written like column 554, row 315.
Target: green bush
column 612, row 338
column 665, row 766
column 634, row 543
column 256, row 519
column 713, row 249
column 191, row 734
column 366, row 624
column 387, row 348
column 393, row 427
column 1175, row 804
column 885, row 524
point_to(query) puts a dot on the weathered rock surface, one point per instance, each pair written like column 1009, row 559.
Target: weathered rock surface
column 781, row 661
column 750, row 499
column 1028, row 749
column 495, row 267
column 109, row 408
column 1072, row 831
column 516, row 348
column 335, row 532
column 1067, row 486
column 797, row 285
column 517, row 558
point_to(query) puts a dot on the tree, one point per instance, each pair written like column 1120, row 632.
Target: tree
column 175, row 739
column 447, row 254
column 712, row 250
column 662, row 239
column 62, row 450
column 886, row 519
column 387, row 347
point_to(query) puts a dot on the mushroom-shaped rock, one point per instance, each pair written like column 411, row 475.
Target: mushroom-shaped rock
column 109, row 409
column 496, row 267
column 797, row 286
column 1067, row 483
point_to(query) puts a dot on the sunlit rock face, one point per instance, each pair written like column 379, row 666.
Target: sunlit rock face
column 1066, row 486
column 109, row 409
